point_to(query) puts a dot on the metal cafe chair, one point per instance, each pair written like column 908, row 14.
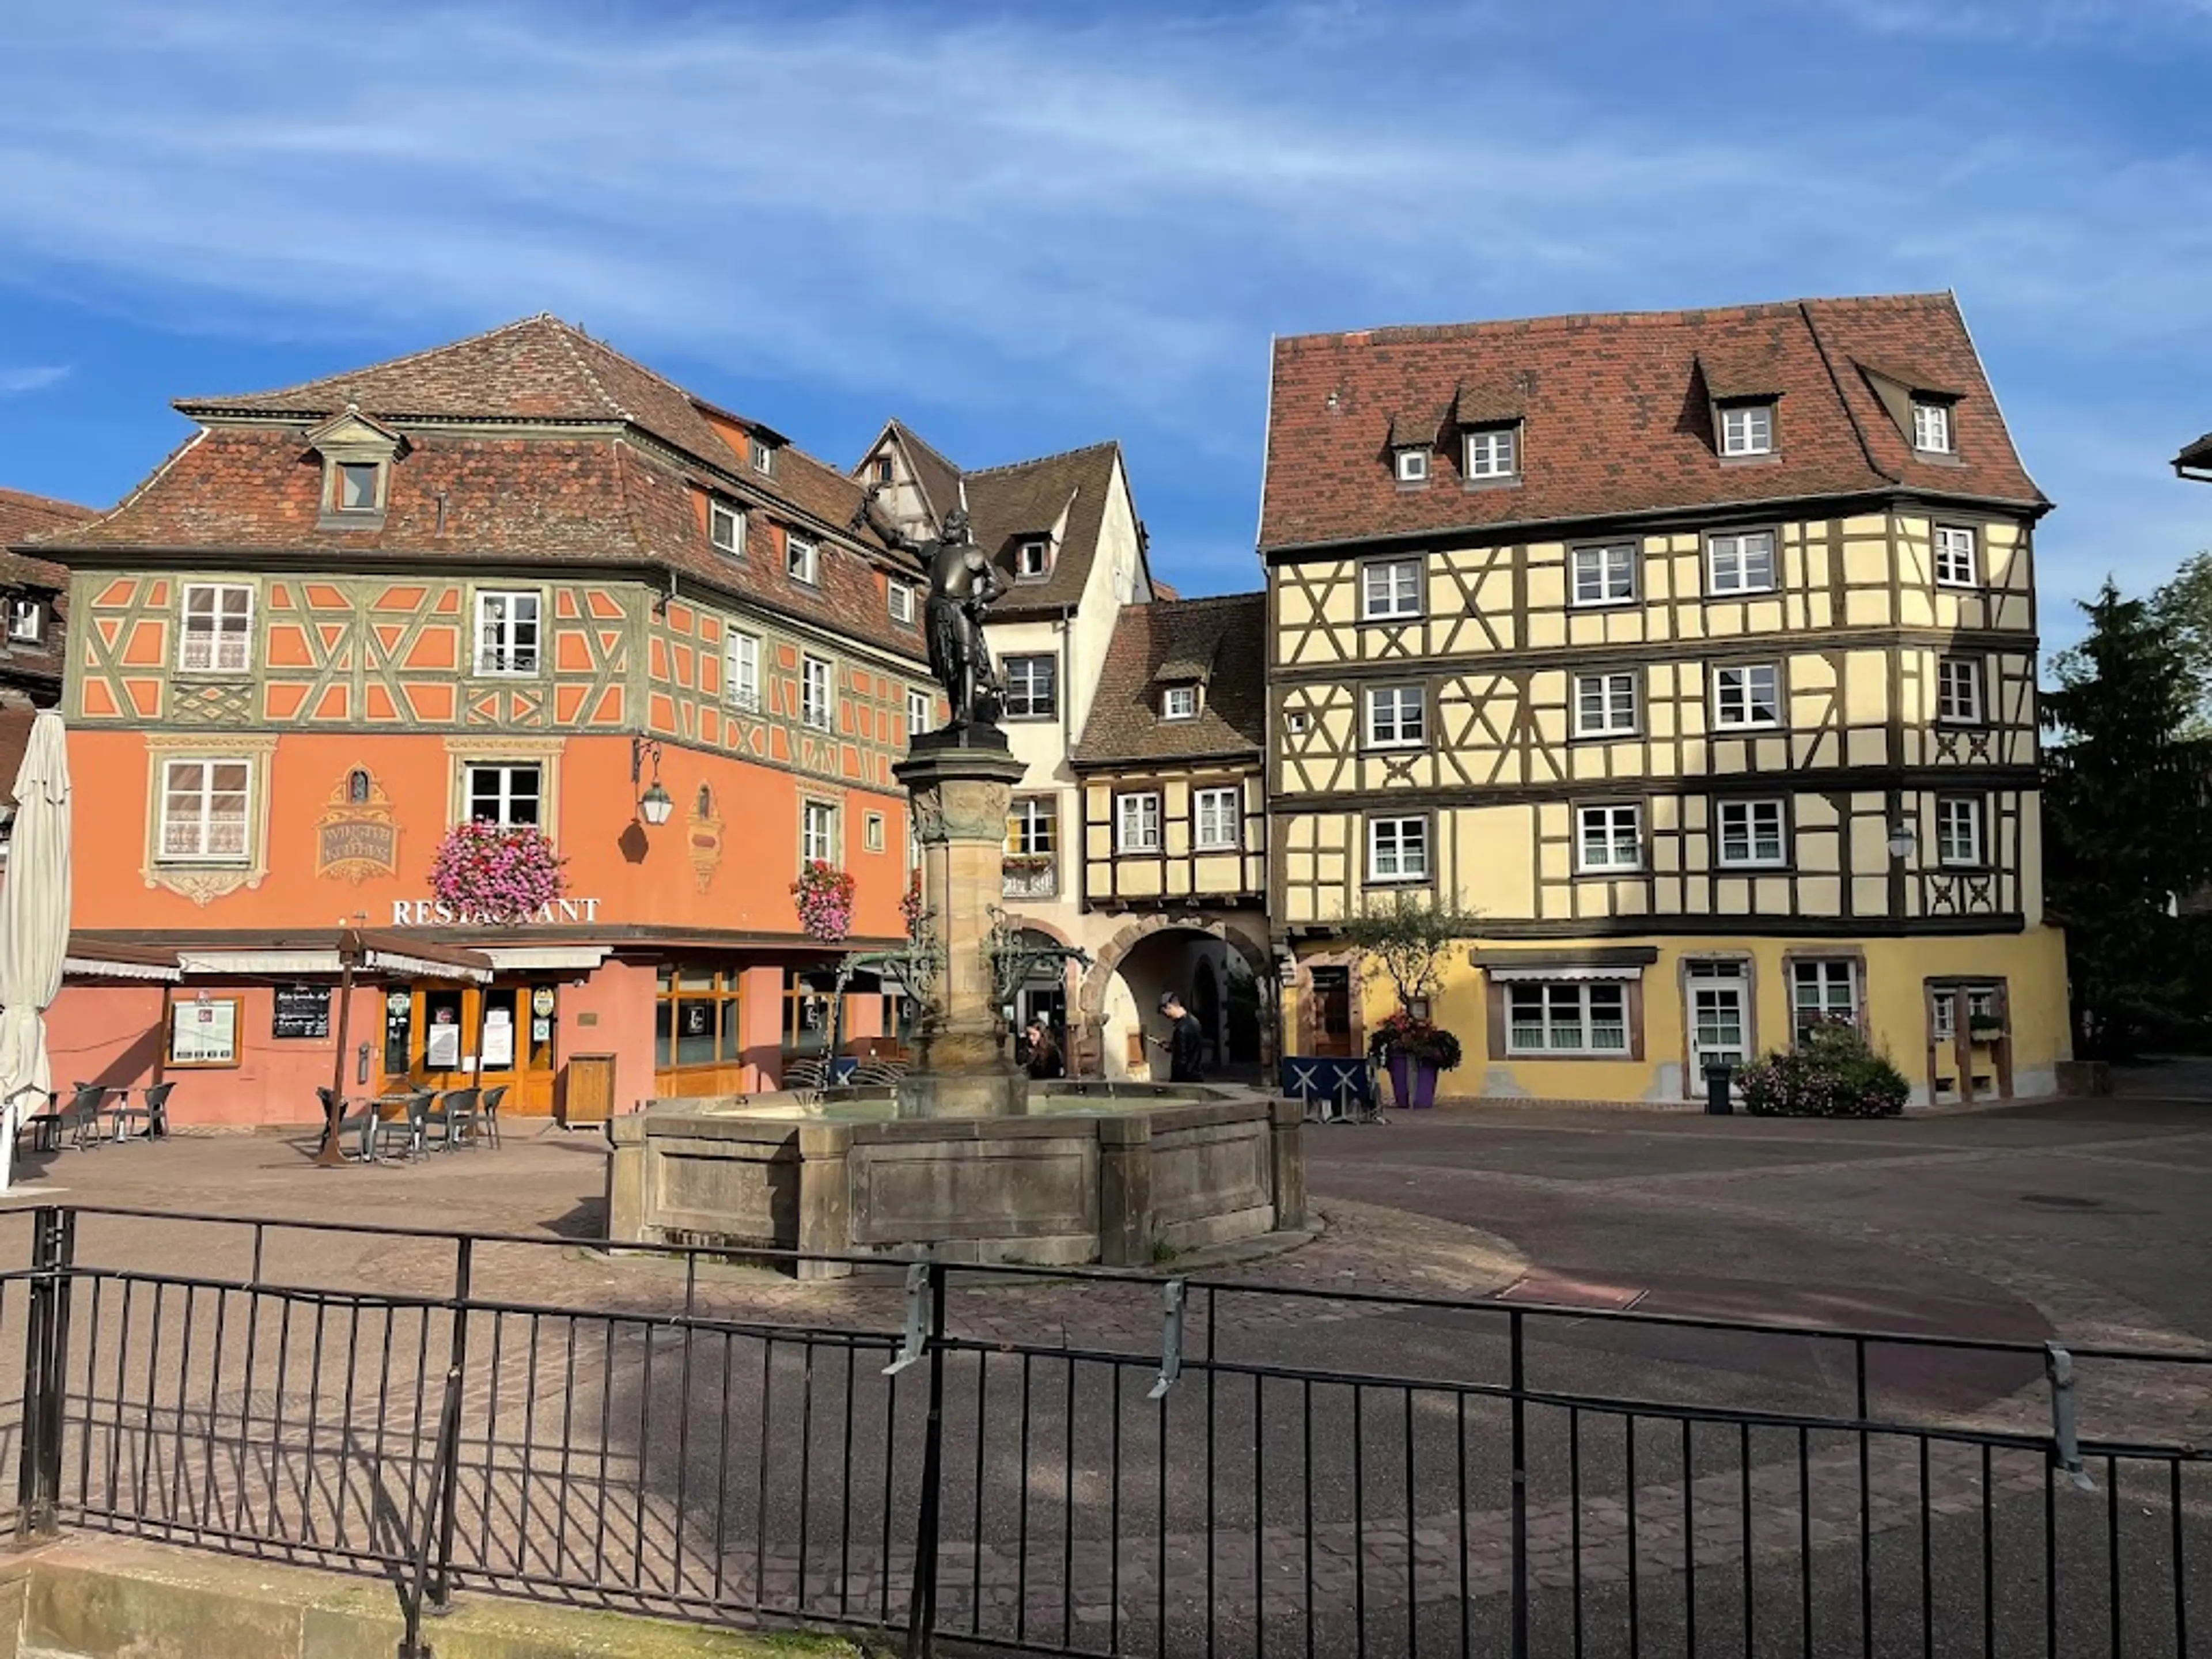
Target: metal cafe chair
column 454, row 1115
column 154, row 1111
column 494, row 1097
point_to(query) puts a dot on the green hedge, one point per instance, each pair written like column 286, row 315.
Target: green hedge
column 1833, row 1073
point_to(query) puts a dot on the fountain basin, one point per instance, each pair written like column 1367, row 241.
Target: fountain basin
column 1123, row 1176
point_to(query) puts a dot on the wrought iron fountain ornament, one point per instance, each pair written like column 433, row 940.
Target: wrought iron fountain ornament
column 1014, row 956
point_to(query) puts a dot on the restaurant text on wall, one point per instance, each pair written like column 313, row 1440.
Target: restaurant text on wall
column 438, row 913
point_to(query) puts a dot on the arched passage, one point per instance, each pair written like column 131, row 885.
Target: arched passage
column 1117, row 1005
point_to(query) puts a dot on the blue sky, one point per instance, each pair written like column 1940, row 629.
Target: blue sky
column 1027, row 227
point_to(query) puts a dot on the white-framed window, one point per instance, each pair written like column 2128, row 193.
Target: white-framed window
column 1751, row 832
column 1397, row 717
column 1954, row 557
column 762, row 453
column 203, row 810
column 1958, row 830
column 1605, row 575
column 1033, row 562
column 902, row 601
column 217, row 635
column 1413, row 465
column 354, row 486
column 1032, row 687
column 802, row 558
column 1931, row 426
column 1748, row 429
column 817, row 832
column 506, row 633
column 741, row 658
column 27, row 620
column 1605, row 704
column 1588, row 1016
column 872, row 832
column 1137, row 822
column 1493, row 452
column 919, row 708
column 1609, row 838
column 1739, row 563
column 504, row 793
column 1179, row 702
column 1747, row 696
column 1822, row 989
column 1032, row 825
column 814, row 701
column 725, row 527
column 1390, row 589
column 1397, row 850
column 1217, row 818
column 1958, row 691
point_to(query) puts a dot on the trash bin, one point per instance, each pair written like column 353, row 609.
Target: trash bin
column 1718, row 1074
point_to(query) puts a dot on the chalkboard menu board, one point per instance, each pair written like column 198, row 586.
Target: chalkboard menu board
column 302, row 1010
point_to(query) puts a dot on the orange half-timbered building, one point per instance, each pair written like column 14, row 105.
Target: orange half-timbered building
column 523, row 579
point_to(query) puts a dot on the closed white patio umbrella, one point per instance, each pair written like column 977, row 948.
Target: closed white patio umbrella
column 35, row 918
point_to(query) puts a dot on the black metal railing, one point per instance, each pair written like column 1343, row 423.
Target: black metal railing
column 1073, row 1460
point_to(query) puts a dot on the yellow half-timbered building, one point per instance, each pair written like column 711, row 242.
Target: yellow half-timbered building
column 1694, row 653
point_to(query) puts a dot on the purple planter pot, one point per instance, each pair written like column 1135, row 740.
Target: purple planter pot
column 1413, row 1082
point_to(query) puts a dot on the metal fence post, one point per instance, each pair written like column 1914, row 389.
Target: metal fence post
column 1520, row 1384
column 39, row 1476
column 449, row 1427
column 921, row 1608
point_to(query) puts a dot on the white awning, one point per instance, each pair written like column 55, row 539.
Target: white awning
column 1521, row 976
column 382, row 961
column 94, row 968
column 509, row 958
column 270, row 963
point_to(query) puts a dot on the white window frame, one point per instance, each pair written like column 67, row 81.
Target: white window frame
column 1745, row 681
column 802, row 558
column 1748, row 429
column 920, row 706
column 817, row 698
column 1033, row 826
column 505, row 658
column 741, row 659
column 872, row 832
column 1732, row 554
column 721, row 512
column 1616, row 704
column 760, row 452
column 1492, row 453
column 1412, row 465
column 1747, row 822
column 506, row 794
column 1953, row 676
column 1397, row 850
column 1932, row 419
column 1957, row 547
column 1954, row 812
column 217, row 634
column 1137, row 822
column 26, row 620
column 1216, row 814
column 1551, row 998
column 204, row 821
column 1396, row 596
column 1033, row 562
column 1029, row 711
column 1605, row 571
column 1826, row 974
column 900, row 597
column 1179, row 702
column 817, row 832
column 1618, row 824
column 1393, row 723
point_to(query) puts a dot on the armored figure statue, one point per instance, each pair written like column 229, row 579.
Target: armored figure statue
column 962, row 585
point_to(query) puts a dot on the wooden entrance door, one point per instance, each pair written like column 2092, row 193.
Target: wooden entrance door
column 456, row 1036
column 1328, row 1028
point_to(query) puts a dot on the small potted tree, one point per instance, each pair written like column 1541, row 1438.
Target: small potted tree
column 1406, row 939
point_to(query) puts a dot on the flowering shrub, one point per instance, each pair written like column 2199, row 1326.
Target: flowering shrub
column 1417, row 1039
column 824, row 900
column 1832, row 1072
column 490, row 872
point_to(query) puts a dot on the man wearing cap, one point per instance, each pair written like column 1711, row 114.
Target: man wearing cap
column 1185, row 1040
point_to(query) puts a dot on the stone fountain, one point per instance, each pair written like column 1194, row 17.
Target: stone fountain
column 963, row 1156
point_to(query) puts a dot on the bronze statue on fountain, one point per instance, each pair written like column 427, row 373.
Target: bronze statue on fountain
column 964, row 585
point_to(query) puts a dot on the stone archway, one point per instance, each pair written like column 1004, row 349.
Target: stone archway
column 1090, row 999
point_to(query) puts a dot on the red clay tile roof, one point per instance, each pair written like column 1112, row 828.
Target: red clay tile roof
column 1155, row 644
column 1616, row 417
column 26, row 517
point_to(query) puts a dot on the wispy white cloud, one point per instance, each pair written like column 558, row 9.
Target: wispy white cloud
column 15, row 381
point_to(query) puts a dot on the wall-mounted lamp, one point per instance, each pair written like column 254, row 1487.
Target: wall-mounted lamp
column 1902, row 840
column 655, row 804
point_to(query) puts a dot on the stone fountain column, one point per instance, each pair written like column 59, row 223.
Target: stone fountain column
column 960, row 783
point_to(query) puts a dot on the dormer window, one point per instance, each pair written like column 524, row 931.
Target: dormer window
column 1748, row 429
column 802, row 559
column 1033, row 560
column 26, row 620
column 1931, row 426
column 1413, row 466
column 358, row 486
column 1179, row 702
column 1493, row 452
column 763, row 453
column 902, row 602
column 357, row 454
column 725, row 528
